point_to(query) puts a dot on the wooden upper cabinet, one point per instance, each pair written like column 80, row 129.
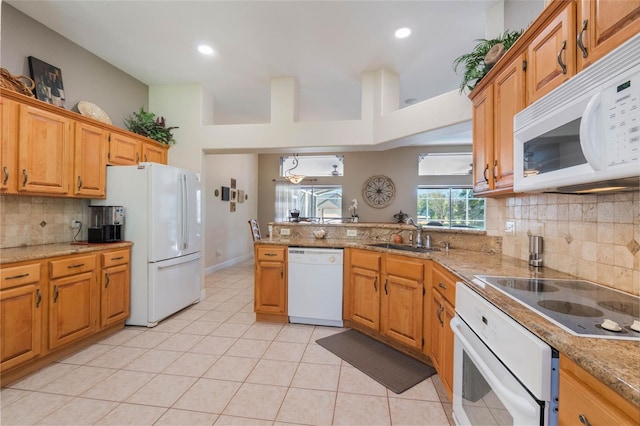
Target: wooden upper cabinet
column 123, row 150
column 509, row 99
column 483, row 140
column 9, row 129
column 44, row 152
column 603, row 25
column 154, row 152
column 551, row 54
column 90, row 157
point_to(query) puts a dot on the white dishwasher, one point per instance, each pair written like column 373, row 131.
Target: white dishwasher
column 315, row 286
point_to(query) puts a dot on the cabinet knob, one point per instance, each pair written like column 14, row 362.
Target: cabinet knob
column 442, row 286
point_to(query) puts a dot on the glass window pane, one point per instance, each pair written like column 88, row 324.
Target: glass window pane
column 446, row 163
column 450, row 207
column 314, row 165
column 313, row 201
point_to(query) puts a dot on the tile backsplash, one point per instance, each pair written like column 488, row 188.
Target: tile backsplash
column 595, row 237
column 26, row 221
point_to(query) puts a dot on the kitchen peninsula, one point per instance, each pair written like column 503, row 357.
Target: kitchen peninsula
column 612, row 362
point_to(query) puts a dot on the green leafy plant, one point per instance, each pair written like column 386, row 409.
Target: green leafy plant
column 147, row 124
column 474, row 66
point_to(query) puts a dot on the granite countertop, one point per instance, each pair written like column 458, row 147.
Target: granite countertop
column 21, row 254
column 614, row 362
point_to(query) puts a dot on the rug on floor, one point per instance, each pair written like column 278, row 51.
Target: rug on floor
column 386, row 365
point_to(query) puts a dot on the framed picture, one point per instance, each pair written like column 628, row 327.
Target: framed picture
column 234, row 195
column 240, row 196
column 48, row 79
column 225, row 193
column 232, row 206
column 233, row 183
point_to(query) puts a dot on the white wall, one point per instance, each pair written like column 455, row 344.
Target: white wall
column 227, row 239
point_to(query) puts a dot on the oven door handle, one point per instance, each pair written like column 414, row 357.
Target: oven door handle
column 520, row 404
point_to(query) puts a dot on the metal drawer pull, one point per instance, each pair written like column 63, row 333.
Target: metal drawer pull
column 106, row 277
column 75, row 266
column 495, row 166
column 55, row 293
column 385, row 286
column 580, row 43
column 79, row 182
column 484, row 173
column 562, row 65
column 281, row 272
column 26, row 177
column 440, row 309
column 6, row 175
column 137, row 157
column 15, row 277
column 375, row 283
column 583, row 420
column 117, row 258
column 271, row 254
column 38, row 298
column 442, row 285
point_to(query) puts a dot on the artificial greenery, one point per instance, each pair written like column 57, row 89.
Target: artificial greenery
column 474, row 65
column 146, row 124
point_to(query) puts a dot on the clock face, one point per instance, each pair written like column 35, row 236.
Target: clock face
column 378, row 191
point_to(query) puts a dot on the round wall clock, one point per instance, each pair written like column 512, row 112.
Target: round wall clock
column 378, row 191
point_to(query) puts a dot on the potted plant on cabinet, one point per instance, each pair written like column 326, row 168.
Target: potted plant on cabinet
column 147, row 124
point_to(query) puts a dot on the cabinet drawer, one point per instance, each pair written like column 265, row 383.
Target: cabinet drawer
column 19, row 275
column 114, row 258
column 271, row 253
column 72, row 266
column 404, row 267
column 365, row 260
column 444, row 282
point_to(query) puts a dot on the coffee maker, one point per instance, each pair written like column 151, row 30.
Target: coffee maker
column 105, row 224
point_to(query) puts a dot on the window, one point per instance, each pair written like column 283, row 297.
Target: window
column 314, row 165
column 445, row 163
column 314, row 201
column 450, row 207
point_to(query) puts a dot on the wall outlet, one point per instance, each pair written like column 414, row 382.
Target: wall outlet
column 75, row 224
column 352, row 232
column 510, row 228
column 285, row 231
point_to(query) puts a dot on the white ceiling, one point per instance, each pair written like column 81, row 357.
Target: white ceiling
column 326, row 45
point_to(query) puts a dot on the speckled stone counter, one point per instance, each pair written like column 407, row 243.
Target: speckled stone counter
column 21, row 254
column 614, row 362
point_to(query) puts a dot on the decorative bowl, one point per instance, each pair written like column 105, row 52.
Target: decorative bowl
column 320, row 233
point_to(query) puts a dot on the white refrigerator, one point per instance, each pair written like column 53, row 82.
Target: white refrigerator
column 162, row 219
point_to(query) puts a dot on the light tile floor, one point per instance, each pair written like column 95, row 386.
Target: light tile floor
column 213, row 364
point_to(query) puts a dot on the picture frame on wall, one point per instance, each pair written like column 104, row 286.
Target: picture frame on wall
column 234, row 194
column 233, row 183
column 240, row 196
column 232, row 206
column 225, row 193
column 48, row 79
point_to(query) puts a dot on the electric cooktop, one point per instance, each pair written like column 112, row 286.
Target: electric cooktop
column 581, row 307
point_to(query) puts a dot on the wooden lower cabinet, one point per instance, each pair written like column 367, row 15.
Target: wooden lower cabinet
column 20, row 314
column 362, row 289
column 53, row 307
column 584, row 400
column 270, row 298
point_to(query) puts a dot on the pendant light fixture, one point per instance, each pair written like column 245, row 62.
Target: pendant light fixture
column 295, row 179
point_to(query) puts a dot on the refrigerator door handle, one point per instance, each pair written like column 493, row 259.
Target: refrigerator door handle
column 185, row 212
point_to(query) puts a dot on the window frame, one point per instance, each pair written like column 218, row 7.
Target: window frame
column 451, row 200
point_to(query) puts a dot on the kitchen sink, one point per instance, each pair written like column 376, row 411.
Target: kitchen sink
column 404, row 247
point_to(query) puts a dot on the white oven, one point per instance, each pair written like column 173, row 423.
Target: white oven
column 503, row 374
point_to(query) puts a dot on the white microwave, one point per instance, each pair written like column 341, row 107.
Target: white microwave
column 584, row 136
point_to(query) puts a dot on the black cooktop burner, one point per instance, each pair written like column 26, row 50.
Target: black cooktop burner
column 576, row 305
column 569, row 308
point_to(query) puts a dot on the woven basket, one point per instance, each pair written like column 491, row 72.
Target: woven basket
column 15, row 83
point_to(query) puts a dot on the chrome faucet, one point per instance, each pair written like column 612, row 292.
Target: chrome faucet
column 416, row 235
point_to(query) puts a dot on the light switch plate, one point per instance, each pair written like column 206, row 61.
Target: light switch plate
column 352, row 232
column 285, row 231
column 510, row 228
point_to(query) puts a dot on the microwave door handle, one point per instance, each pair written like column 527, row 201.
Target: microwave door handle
column 519, row 403
column 589, row 137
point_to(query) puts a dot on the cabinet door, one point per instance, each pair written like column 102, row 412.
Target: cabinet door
column 603, row 25
column 72, row 308
column 152, row 152
column 20, row 325
column 9, row 144
column 509, row 96
column 123, row 150
column 401, row 306
column 90, row 161
column 115, row 295
column 270, row 288
column 436, row 329
column 44, row 152
column 483, row 140
column 551, row 54
column 446, row 358
column 364, row 286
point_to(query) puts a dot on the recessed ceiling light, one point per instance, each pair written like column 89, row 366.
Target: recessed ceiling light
column 205, row 50
column 403, row 32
